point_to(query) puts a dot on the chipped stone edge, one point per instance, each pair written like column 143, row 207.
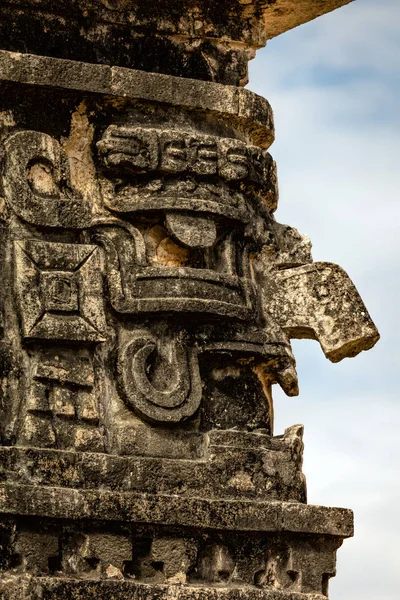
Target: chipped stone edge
column 253, row 111
column 279, row 22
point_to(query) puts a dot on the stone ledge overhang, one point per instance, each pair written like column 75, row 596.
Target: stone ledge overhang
column 197, row 39
column 173, row 510
column 282, row 15
column 250, row 112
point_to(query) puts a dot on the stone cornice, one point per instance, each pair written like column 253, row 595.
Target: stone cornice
column 253, row 111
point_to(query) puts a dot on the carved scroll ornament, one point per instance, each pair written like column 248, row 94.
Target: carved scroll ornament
column 37, row 182
column 177, row 395
column 148, row 302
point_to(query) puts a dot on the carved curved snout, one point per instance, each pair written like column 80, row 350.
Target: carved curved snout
column 178, row 395
column 319, row 301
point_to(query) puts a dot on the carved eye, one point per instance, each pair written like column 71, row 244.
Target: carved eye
column 40, row 176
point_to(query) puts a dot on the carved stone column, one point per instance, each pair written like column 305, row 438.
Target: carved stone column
column 148, row 301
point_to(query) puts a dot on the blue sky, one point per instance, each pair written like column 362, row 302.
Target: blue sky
column 334, row 85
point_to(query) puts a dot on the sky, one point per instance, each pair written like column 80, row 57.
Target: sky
column 334, row 85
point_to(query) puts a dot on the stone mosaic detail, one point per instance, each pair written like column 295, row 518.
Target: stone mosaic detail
column 147, row 236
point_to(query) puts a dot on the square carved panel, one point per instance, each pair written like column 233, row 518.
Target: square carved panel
column 59, row 291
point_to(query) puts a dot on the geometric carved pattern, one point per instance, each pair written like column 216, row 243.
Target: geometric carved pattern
column 59, row 288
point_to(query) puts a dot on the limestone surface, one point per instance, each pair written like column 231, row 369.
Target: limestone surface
column 148, row 302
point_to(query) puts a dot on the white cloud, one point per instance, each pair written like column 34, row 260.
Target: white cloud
column 334, row 85
column 363, row 34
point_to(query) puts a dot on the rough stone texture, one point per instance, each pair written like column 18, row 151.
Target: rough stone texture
column 306, row 304
column 192, row 38
column 149, row 297
column 19, row 588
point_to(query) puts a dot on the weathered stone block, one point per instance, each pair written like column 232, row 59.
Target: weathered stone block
column 178, row 38
column 35, row 549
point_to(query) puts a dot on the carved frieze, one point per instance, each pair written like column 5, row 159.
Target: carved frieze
column 177, row 170
column 303, row 566
column 164, row 261
column 137, row 150
column 61, row 409
column 182, row 228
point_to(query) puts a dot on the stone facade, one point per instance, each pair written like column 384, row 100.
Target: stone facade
column 149, row 297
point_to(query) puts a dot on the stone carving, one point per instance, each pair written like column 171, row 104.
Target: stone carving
column 95, row 552
column 305, row 307
column 304, row 567
column 139, row 150
column 148, row 304
column 61, row 408
column 59, row 290
column 216, row 564
column 37, row 182
column 203, row 163
column 35, row 551
column 170, row 402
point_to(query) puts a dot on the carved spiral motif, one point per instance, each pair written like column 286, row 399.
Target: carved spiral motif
column 180, row 398
column 37, row 182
